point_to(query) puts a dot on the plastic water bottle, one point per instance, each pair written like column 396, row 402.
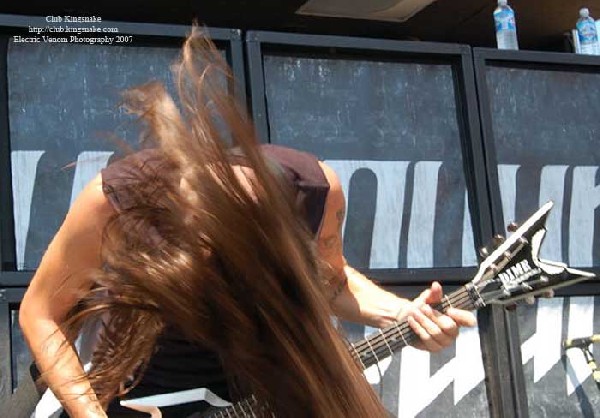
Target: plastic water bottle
column 506, row 27
column 586, row 31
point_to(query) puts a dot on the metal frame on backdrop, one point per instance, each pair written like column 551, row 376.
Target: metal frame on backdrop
column 13, row 282
column 7, row 241
column 485, row 58
column 9, row 300
column 502, row 396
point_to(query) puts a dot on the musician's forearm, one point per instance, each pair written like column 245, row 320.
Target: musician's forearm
column 360, row 300
column 62, row 372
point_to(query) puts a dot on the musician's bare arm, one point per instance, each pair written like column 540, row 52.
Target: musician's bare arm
column 75, row 248
column 356, row 298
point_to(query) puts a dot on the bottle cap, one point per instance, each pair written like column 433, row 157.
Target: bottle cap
column 502, row 3
column 585, row 12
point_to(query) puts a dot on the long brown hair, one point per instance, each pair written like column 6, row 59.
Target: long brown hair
column 223, row 259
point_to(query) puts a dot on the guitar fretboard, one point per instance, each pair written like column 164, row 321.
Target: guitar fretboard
column 374, row 348
column 387, row 341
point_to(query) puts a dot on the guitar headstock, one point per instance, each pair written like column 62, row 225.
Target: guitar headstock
column 514, row 271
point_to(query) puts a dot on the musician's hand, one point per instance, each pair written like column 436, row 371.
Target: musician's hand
column 435, row 330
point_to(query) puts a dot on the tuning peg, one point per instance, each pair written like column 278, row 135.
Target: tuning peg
column 494, row 269
column 512, row 227
column 498, row 239
column 484, row 252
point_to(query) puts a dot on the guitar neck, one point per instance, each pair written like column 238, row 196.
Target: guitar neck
column 387, row 341
column 512, row 271
column 378, row 346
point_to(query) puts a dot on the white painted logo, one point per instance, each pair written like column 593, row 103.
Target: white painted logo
column 517, row 274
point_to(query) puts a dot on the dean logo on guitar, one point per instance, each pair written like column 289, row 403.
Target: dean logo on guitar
column 518, row 273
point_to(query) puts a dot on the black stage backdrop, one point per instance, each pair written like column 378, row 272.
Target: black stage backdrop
column 544, row 126
column 392, row 130
column 63, row 108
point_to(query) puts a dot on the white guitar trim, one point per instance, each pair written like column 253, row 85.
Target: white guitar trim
column 177, row 398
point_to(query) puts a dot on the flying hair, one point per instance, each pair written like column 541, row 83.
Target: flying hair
column 218, row 253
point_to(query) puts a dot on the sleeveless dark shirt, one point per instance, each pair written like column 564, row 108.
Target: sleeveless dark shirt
column 177, row 364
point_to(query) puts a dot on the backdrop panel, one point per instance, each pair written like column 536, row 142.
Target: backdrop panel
column 58, row 113
column 393, row 119
column 559, row 383
column 63, row 108
column 540, row 122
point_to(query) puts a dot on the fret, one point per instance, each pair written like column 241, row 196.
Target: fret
column 402, row 334
column 234, row 409
column 219, row 413
column 250, row 408
column 379, row 343
column 386, row 342
column 398, row 335
column 477, row 300
column 358, row 356
column 471, row 302
column 242, row 409
column 465, row 298
column 372, row 351
column 448, row 301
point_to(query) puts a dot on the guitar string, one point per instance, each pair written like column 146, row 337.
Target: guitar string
column 372, row 350
column 461, row 299
column 381, row 340
column 383, row 350
column 385, row 341
column 377, row 341
column 458, row 298
column 250, row 408
column 231, row 411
